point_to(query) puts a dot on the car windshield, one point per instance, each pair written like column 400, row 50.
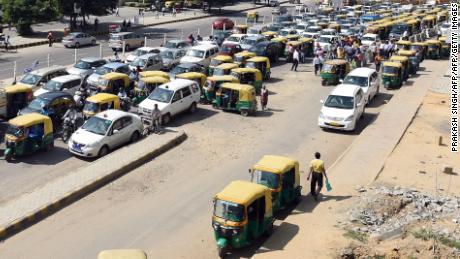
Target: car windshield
column 273, row 28
column 103, row 82
column 15, row 131
column 178, row 70
column 233, row 39
column 251, row 64
column 115, row 37
column 215, row 62
column 91, row 107
column 103, row 70
column 167, row 55
column 390, row 70
column 367, row 38
column 340, row 102
column 300, row 27
column 259, row 50
column 37, row 104
column 239, row 59
column 52, row 86
column 30, row 79
column 228, row 210
column 139, row 62
column 82, row 65
column 139, row 52
column 171, row 45
column 161, row 95
column 253, row 31
column 312, row 29
column 284, row 33
column 249, row 41
column 195, row 53
column 323, row 40
column 356, row 80
column 97, row 125
column 227, row 48
column 399, row 29
column 268, row 179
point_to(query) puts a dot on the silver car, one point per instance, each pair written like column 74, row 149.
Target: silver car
column 171, row 57
column 77, row 39
column 86, row 66
column 147, row 62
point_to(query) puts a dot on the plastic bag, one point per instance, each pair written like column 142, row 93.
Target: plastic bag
column 328, row 186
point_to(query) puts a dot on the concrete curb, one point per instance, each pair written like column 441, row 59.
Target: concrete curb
column 100, row 33
column 28, row 220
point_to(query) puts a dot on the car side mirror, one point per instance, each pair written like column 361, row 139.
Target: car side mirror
column 321, row 101
column 93, row 68
column 249, row 170
column 115, row 131
column 65, row 89
column 341, row 80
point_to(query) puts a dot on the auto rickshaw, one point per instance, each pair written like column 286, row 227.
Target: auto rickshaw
column 292, row 37
column 415, row 25
column 236, row 97
column 27, row 134
column 217, row 60
column 281, row 175
column 282, row 45
column 421, row 47
column 14, row 98
column 429, row 21
column 308, row 46
column 333, row 71
column 252, row 16
column 445, row 49
column 122, row 254
column 100, row 102
column 224, row 69
column 269, row 34
column 199, row 78
column 250, row 76
column 113, row 82
column 242, row 213
column 262, row 64
column 213, row 84
column 240, row 58
column 154, row 73
column 403, row 44
column 291, row 46
column 433, row 49
column 392, row 75
column 413, row 60
column 406, row 67
column 240, row 29
column 145, row 86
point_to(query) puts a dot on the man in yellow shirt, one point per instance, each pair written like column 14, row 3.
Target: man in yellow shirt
column 317, row 171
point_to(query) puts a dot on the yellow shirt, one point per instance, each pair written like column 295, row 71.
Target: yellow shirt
column 317, row 166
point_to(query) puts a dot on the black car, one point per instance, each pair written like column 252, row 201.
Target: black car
column 267, row 49
column 52, row 104
column 185, row 68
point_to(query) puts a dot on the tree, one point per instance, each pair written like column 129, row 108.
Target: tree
column 23, row 13
column 86, row 8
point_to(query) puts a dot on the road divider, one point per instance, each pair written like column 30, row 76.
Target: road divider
column 22, row 212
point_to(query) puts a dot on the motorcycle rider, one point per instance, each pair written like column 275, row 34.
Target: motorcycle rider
column 124, row 99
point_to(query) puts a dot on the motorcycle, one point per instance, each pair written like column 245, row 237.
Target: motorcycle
column 149, row 127
column 69, row 126
column 125, row 102
column 80, row 98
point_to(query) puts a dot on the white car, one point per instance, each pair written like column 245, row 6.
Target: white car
column 369, row 38
column 172, row 98
column 235, row 38
column 147, row 62
column 342, row 109
column 310, row 35
column 105, row 131
column 325, row 41
column 68, row 83
column 300, row 28
column 200, row 54
column 140, row 52
column 444, row 29
column 367, row 79
column 86, row 66
column 77, row 39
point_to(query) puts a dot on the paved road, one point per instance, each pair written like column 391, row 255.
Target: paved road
column 165, row 207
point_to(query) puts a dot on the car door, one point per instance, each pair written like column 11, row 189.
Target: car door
column 187, row 97
column 359, row 104
column 177, row 103
column 128, row 128
column 116, row 134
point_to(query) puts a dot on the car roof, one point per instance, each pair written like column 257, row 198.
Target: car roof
column 370, row 35
column 177, row 41
column 47, row 70
column 112, row 114
column 54, row 95
column 148, row 48
column 91, row 59
column 361, row 71
column 114, row 65
column 255, row 37
column 177, row 84
column 345, row 90
column 204, row 47
column 147, row 56
column 188, row 65
column 66, row 78
column 238, row 35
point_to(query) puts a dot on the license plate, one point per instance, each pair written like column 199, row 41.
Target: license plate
column 334, row 123
column 77, row 147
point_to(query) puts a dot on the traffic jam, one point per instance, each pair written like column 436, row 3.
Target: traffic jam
column 98, row 105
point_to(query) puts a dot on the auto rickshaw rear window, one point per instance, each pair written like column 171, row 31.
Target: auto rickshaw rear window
column 328, row 68
column 38, row 103
column 228, row 210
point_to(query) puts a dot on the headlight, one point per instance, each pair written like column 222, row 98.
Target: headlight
column 349, row 118
column 91, row 144
column 321, row 115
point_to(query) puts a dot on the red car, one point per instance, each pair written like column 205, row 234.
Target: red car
column 223, row 23
column 230, row 49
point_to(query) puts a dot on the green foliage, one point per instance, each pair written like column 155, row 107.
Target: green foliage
column 427, row 234
column 361, row 237
column 23, row 13
column 88, row 7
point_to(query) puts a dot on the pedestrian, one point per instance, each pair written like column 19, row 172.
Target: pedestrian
column 50, row 39
column 317, row 171
column 117, row 11
column 174, row 12
column 295, row 60
column 302, row 55
column 340, row 53
column 140, row 11
column 96, row 24
column 264, row 98
column 7, row 42
column 128, row 24
column 163, row 9
column 199, row 38
column 156, row 118
column 378, row 61
column 123, row 24
column 316, row 63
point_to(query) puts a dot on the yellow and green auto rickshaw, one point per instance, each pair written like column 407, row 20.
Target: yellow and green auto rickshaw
column 154, row 73
column 241, row 57
column 415, row 25
column 445, row 49
column 252, row 16
column 198, row 77
column 250, row 76
column 261, row 63
column 242, row 213
column 308, row 46
column 14, row 98
column 236, row 97
column 392, row 75
column 333, row 71
column 421, row 48
column 292, row 37
column 413, row 60
column 281, row 175
column 213, row 84
column 240, row 29
column 433, row 49
column 113, row 82
column 429, row 21
column 100, row 102
column 224, row 69
column 122, row 254
column 217, row 60
column 403, row 44
column 404, row 61
column 282, row 45
column 145, row 86
column 269, row 34
column 27, row 134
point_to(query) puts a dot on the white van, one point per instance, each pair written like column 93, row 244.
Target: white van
column 342, row 108
column 68, row 83
column 201, row 54
column 131, row 40
column 172, row 98
column 38, row 78
column 367, row 79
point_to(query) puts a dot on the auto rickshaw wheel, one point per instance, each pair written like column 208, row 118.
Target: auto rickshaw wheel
column 245, row 113
column 269, row 230
column 9, row 157
column 49, row 146
column 222, row 251
column 323, row 82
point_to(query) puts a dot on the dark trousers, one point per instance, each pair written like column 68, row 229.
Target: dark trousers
column 295, row 64
column 316, row 179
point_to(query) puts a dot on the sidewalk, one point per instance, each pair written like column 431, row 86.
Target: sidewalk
column 126, row 13
column 311, row 231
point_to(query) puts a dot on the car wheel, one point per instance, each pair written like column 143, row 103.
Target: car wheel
column 192, row 108
column 166, row 118
column 49, row 147
column 134, row 137
column 93, row 42
column 77, row 45
column 103, row 151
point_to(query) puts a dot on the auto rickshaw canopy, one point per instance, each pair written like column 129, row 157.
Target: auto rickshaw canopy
column 433, row 42
column 223, row 58
column 403, row 42
column 154, row 73
column 31, row 119
column 399, row 58
column 154, row 80
column 336, row 62
column 276, row 164
column 305, row 40
column 246, row 92
column 102, row 98
column 392, row 64
column 407, row 53
column 227, row 66
column 122, row 254
column 252, row 14
column 293, row 43
column 260, row 59
column 423, row 44
column 246, row 70
column 244, row 193
column 117, row 76
column 292, row 37
column 245, row 54
column 442, row 39
column 224, row 78
column 12, row 89
column 269, row 33
column 280, row 39
column 193, row 76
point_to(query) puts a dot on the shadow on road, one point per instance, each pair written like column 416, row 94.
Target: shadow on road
column 53, row 157
column 379, row 100
column 366, row 120
column 200, row 114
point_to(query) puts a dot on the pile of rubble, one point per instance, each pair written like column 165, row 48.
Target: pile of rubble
column 384, row 212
